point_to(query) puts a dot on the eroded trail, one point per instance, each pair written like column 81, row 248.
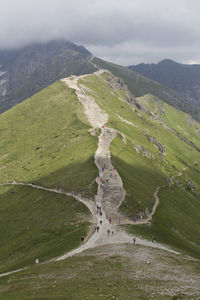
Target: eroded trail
column 108, row 232
column 110, row 187
column 110, row 192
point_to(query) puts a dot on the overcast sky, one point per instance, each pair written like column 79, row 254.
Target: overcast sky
column 122, row 31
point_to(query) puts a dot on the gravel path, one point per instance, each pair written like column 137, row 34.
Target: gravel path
column 110, row 192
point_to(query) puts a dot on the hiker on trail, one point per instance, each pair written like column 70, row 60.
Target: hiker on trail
column 100, row 214
column 112, row 232
column 37, row 261
column 134, row 240
column 97, row 228
column 108, row 232
column 98, row 209
column 100, row 222
column 153, row 239
column 110, row 220
column 82, row 239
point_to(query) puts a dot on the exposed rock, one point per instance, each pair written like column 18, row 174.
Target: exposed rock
column 190, row 121
column 116, row 83
column 144, row 152
column 190, row 186
column 198, row 131
column 94, row 131
column 155, row 142
column 161, row 155
column 138, row 106
column 182, row 78
column 130, row 99
column 119, row 83
column 138, row 148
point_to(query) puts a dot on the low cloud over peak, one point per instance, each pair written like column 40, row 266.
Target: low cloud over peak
column 125, row 32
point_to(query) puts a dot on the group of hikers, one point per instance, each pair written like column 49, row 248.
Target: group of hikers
column 99, row 209
column 109, row 232
column 102, row 181
column 153, row 239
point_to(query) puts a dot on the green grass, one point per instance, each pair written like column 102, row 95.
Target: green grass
column 103, row 274
column 44, row 140
column 47, row 137
column 176, row 221
column 38, row 224
column 140, row 85
column 141, row 175
column 136, row 173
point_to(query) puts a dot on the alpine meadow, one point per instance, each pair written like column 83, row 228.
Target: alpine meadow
column 99, row 183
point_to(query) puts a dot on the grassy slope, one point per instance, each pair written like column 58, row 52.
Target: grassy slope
column 140, row 85
column 119, row 272
column 44, row 140
column 142, row 175
column 38, row 224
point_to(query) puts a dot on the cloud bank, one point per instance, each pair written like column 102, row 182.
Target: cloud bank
column 125, row 32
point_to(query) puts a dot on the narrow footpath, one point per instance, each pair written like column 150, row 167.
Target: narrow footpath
column 110, row 193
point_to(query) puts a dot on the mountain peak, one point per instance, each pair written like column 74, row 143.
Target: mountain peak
column 167, row 61
column 25, row 71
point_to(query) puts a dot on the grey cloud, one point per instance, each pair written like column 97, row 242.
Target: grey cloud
column 125, row 31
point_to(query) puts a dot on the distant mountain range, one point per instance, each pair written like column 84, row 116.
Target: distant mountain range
column 26, row 71
column 184, row 79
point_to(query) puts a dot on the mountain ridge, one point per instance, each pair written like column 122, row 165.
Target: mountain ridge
column 24, row 72
column 182, row 78
column 148, row 150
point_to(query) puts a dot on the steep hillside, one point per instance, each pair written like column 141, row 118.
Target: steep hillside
column 143, row 154
column 184, row 79
column 45, row 141
column 26, row 71
column 140, row 85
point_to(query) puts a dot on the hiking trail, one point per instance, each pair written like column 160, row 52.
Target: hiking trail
column 110, row 193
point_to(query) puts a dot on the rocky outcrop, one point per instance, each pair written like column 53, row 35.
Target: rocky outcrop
column 116, row 83
column 156, row 143
column 144, row 152
column 190, row 186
